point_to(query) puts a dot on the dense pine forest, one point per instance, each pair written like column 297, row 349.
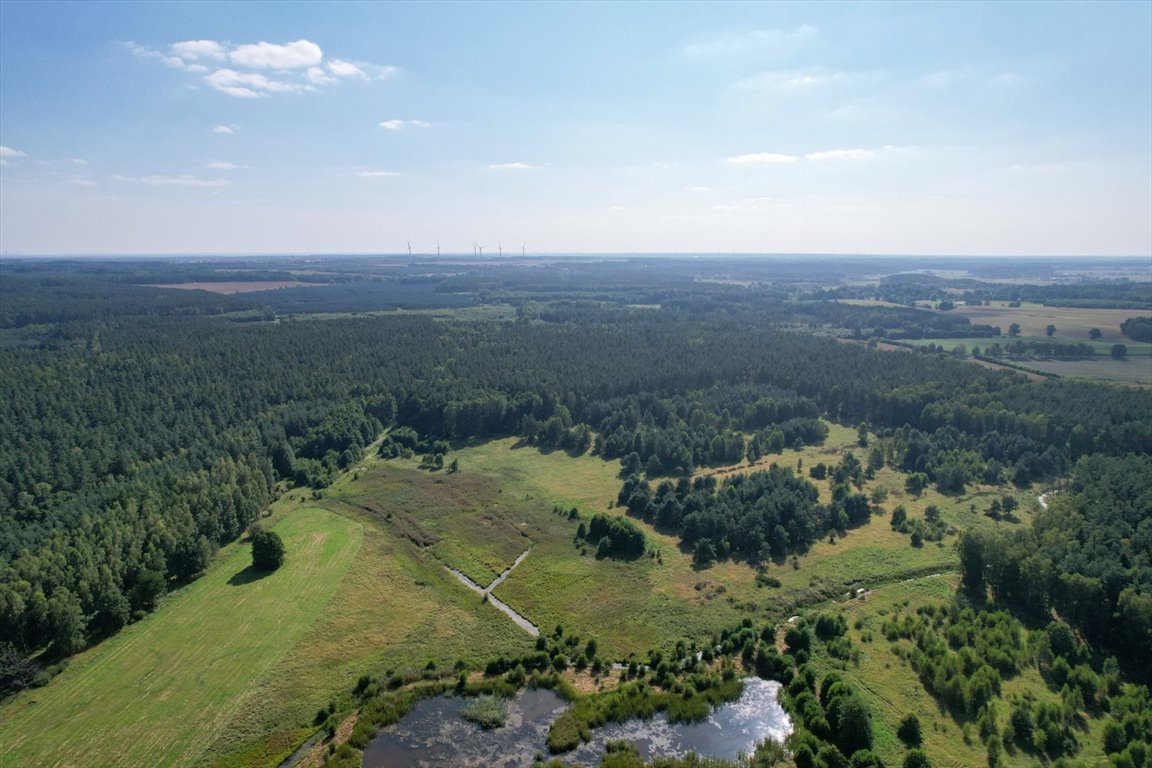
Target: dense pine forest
column 143, row 426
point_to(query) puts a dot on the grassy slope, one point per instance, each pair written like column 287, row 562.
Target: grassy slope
column 151, row 695
column 396, row 610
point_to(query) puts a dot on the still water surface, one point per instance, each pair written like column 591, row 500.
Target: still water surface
column 434, row 733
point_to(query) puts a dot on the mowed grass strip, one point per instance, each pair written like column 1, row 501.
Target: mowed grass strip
column 157, row 693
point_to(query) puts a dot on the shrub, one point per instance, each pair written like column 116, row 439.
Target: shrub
column 909, row 731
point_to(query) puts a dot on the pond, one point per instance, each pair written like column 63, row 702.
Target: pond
column 435, row 734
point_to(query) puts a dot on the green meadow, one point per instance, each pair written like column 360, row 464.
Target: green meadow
column 155, row 693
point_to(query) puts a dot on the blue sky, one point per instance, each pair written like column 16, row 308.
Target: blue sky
column 943, row 128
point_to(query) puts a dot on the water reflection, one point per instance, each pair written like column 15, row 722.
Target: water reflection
column 434, row 733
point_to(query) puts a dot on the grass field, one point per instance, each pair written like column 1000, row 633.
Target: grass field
column 1102, row 348
column 1072, row 323
column 155, row 693
column 1136, row 368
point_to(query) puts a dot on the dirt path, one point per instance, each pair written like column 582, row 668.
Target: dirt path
column 496, row 602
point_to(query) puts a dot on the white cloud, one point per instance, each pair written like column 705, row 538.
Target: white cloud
column 512, row 167
column 698, row 189
column 221, row 165
column 761, row 158
column 248, row 85
column 377, row 174
column 237, row 70
column 79, row 161
column 342, row 68
column 294, row 55
column 373, row 71
column 83, row 182
column 7, row 152
column 398, row 125
column 226, row 130
column 183, row 180
column 841, row 154
column 777, row 41
column 318, row 76
column 198, row 49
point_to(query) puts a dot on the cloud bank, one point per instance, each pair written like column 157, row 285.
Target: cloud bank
column 257, row 70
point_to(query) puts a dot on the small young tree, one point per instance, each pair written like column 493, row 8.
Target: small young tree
column 1095, row 334
column 267, row 550
column 1050, row 330
column 909, row 731
column 916, row 482
column 916, row 758
column 899, row 516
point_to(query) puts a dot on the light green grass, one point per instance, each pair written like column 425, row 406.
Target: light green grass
column 396, row 609
column 157, row 692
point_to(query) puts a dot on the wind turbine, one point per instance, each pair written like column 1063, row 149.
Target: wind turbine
column 437, row 249
column 500, row 245
column 522, row 249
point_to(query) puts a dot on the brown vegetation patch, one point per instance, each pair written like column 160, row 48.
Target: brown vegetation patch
column 315, row 756
column 403, row 522
column 585, row 682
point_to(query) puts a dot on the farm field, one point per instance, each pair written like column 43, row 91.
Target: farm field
column 1072, row 323
column 1103, row 348
column 155, row 693
column 1136, row 369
